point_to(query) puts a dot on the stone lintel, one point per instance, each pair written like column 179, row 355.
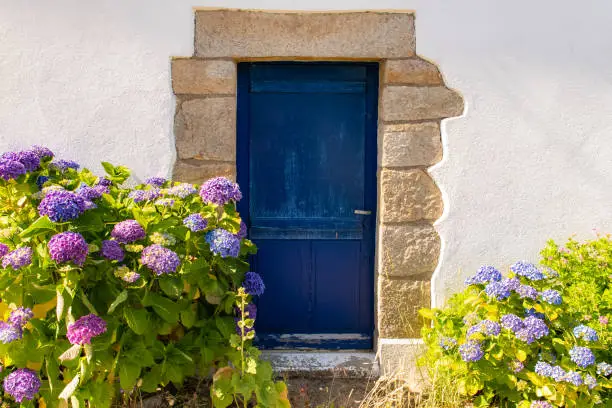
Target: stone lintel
column 413, row 71
column 261, row 34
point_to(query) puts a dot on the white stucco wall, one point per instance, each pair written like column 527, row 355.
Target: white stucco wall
column 530, row 160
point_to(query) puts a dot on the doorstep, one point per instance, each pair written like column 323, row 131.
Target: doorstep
column 344, row 363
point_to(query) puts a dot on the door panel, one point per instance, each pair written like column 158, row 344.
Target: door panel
column 306, row 162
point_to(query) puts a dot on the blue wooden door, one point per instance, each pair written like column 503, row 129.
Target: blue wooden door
column 307, row 167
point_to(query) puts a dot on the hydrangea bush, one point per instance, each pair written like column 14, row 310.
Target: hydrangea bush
column 512, row 341
column 108, row 291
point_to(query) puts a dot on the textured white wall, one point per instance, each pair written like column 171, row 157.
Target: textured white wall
column 529, row 160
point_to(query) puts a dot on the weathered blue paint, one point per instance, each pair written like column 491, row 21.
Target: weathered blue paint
column 306, row 162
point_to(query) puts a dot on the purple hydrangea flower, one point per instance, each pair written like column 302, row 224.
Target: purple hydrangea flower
column 20, row 316
column 223, row 243
column 42, row 152
column 516, row 366
column 18, row 258
column 586, row 333
column 471, row 319
column 11, row 169
column 253, row 284
column 10, row 332
column 486, row 327
column 156, row 181
column 112, row 250
column 62, row 205
column 447, row 343
column 533, row 329
column 582, row 356
column 573, row 377
column 220, row 191
column 471, row 351
column 63, row 165
column 182, row 190
column 497, row 290
column 103, row 181
column 250, row 312
column 604, row 369
column 242, row 232
column 557, row 373
column 21, row 384
column 166, row 202
column 590, row 381
column 485, row 274
column 159, row 259
column 41, row 180
column 85, row 328
column 512, row 322
column 126, row 274
column 543, row 368
column 528, row 270
column 531, row 312
column 137, row 195
column 128, row 231
column 68, row 246
column 551, row 296
column 13, row 156
column 145, row 195
column 91, row 193
column 195, row 222
column 4, row 249
column 527, row 292
column 540, row 404
column 29, row 159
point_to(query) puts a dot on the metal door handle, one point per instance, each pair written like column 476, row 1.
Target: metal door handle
column 363, row 212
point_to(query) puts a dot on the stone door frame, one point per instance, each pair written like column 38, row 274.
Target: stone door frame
column 413, row 100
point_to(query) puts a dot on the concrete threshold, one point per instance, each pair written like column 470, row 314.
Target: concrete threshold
column 346, row 363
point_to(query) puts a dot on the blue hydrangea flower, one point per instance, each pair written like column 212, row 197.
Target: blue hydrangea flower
column 551, row 296
column 543, row 368
column 582, row 356
column 586, row 333
column 604, row 369
column 516, row 366
column 447, row 343
column 42, row 152
column 471, row 351
column 29, row 159
column 195, row 222
column 20, row 316
column 573, row 377
column 145, row 195
column 156, row 181
column 486, row 327
column 223, row 243
column 242, row 232
column 512, row 322
column 531, row 312
column 18, row 258
column 220, row 191
column 540, row 404
column 111, row 250
column 253, row 284
column 63, row 165
column 61, row 205
column 528, row 270
column 471, row 319
column 533, row 329
column 11, row 169
column 159, row 259
column 590, row 381
column 10, row 332
column 497, row 290
column 41, row 180
column 91, row 193
column 165, row 202
column 527, row 292
column 182, row 190
column 103, row 181
column 485, row 274
column 557, row 373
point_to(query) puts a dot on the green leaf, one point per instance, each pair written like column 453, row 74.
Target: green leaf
column 164, row 307
column 122, row 297
column 39, row 227
column 152, row 379
column 189, row 316
column 225, row 325
column 171, row 286
column 128, row 374
column 137, row 319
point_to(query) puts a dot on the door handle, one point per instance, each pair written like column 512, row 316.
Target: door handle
column 362, row 212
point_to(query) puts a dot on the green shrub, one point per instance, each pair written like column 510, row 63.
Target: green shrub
column 110, row 291
column 514, row 341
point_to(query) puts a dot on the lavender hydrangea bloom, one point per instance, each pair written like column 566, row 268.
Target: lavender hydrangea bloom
column 486, row 327
column 166, row 202
column 159, row 259
column 163, row 238
column 145, row 195
column 511, row 283
column 512, row 322
column 573, row 377
column 557, row 373
column 447, row 343
column 604, row 369
column 590, row 381
column 42, row 152
column 126, row 274
column 182, row 190
column 586, row 333
column 20, row 316
column 223, row 243
column 485, row 274
column 253, row 284
column 242, row 232
column 195, row 222
column 137, row 195
column 528, row 270
column 61, row 205
column 516, row 366
column 103, row 181
column 10, row 332
column 112, row 250
column 471, row 351
column 29, row 159
column 582, row 356
column 540, row 404
column 551, row 296
column 543, row 368
column 63, row 165
column 128, row 231
column 4, row 249
column 68, row 246
column 156, row 181
column 21, row 384
column 85, row 328
column 11, row 169
column 13, row 156
column 533, row 329
column 91, row 193
column 220, row 191
column 18, row 258
column 497, row 290
column 527, row 292
column 471, row 319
